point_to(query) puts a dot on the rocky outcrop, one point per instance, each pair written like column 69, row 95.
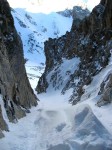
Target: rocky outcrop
column 105, row 91
column 3, row 125
column 76, row 13
column 17, row 95
column 90, row 40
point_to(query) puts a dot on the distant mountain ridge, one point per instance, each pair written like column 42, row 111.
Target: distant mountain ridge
column 76, row 13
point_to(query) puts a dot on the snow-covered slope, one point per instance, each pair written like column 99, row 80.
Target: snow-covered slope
column 61, row 126
column 35, row 29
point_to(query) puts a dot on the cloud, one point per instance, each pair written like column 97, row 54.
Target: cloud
column 47, row 6
column 91, row 4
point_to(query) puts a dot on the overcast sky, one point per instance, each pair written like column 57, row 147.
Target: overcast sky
column 47, row 6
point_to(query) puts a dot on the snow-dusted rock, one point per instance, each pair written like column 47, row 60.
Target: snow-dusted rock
column 16, row 93
column 77, row 12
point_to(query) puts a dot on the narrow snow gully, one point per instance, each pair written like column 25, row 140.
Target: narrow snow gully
column 59, row 127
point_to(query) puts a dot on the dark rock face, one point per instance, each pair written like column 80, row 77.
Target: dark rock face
column 15, row 89
column 90, row 40
column 107, row 17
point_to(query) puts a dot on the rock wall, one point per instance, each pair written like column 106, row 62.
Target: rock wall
column 15, row 89
column 91, row 41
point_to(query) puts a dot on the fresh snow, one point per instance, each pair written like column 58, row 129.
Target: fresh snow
column 57, row 127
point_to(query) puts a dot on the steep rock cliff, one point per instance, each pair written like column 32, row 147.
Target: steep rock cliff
column 16, row 93
column 89, row 40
